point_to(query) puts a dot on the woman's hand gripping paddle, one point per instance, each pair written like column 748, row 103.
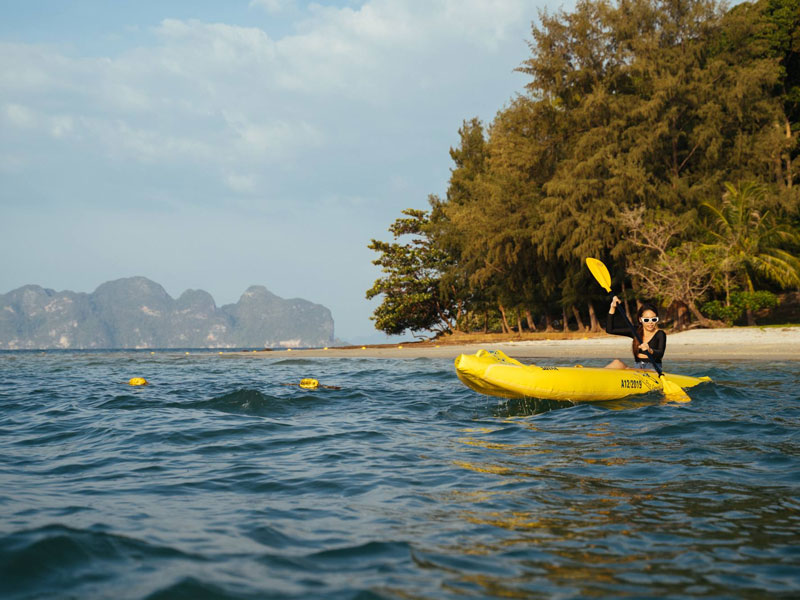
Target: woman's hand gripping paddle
column 672, row 391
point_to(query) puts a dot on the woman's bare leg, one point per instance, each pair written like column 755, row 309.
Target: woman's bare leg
column 616, row 364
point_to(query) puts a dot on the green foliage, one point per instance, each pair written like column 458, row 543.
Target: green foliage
column 748, row 240
column 739, row 303
column 410, row 287
column 633, row 105
column 663, row 266
column 783, row 35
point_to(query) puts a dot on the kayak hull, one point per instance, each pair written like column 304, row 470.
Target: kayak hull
column 495, row 374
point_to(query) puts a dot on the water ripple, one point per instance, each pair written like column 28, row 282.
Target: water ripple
column 218, row 480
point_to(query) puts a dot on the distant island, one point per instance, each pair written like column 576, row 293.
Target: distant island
column 136, row 312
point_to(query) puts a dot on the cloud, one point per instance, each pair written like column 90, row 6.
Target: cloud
column 272, row 6
column 217, row 155
column 26, row 118
column 19, row 116
column 241, row 105
column 241, row 183
column 271, row 139
column 11, row 162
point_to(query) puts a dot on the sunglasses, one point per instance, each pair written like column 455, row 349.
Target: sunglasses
column 649, row 319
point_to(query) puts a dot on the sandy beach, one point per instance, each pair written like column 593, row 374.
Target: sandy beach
column 739, row 343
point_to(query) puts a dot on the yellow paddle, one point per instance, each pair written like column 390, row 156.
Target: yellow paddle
column 672, row 391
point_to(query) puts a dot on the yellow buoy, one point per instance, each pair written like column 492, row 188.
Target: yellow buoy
column 400, row 347
column 325, row 348
column 288, row 349
column 309, row 384
column 137, row 381
column 363, row 347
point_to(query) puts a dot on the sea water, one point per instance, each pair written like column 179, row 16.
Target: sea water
column 217, row 481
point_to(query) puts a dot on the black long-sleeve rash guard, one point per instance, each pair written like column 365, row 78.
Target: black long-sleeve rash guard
column 657, row 345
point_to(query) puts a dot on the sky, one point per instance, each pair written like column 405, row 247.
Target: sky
column 218, row 145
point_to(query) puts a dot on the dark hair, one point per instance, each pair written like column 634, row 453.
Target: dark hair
column 640, row 327
column 644, row 307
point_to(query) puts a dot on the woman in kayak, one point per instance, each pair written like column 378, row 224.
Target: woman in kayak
column 653, row 339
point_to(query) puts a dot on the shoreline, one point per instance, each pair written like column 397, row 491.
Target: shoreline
column 743, row 343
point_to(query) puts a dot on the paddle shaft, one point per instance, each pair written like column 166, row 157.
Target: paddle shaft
column 621, row 308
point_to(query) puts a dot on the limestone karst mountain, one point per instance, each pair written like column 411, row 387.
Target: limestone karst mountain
column 136, row 312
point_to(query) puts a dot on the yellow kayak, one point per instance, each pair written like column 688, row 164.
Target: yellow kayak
column 495, row 374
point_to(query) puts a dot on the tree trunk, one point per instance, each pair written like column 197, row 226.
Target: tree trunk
column 565, row 327
column 506, row 328
column 529, row 318
column 681, row 316
column 748, row 311
column 625, row 300
column 548, row 324
column 445, row 320
column 469, row 319
column 577, row 314
column 727, row 290
column 789, row 174
column 486, row 321
column 593, row 318
column 704, row 321
column 519, row 321
column 459, row 311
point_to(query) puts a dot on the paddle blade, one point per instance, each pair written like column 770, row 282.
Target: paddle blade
column 673, row 392
column 600, row 273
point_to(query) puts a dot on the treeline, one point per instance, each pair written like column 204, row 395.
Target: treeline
column 660, row 136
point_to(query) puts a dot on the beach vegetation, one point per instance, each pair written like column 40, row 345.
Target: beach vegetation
column 748, row 239
column 738, row 303
column 660, row 137
column 411, row 286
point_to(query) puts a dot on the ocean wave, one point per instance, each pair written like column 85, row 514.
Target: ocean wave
column 56, row 560
column 253, row 402
column 216, row 481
